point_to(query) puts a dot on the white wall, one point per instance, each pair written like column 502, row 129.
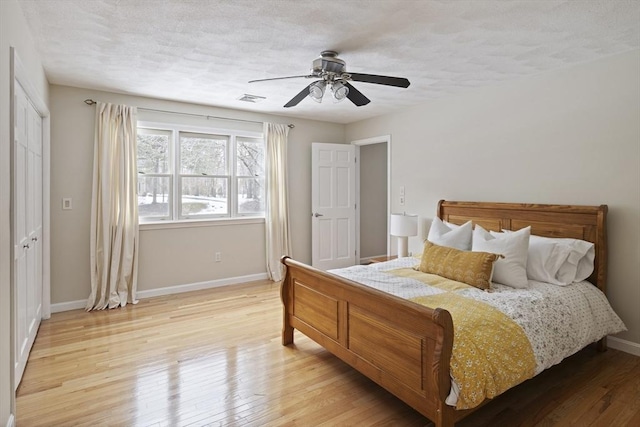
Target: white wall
column 565, row 137
column 13, row 32
column 167, row 256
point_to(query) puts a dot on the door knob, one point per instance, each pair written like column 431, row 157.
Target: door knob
column 317, row 214
column 25, row 246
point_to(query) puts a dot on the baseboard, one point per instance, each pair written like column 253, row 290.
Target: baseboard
column 11, row 422
column 68, row 306
column 201, row 285
column 624, row 345
column 76, row 305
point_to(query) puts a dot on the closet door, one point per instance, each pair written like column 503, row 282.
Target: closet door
column 34, row 222
column 27, row 226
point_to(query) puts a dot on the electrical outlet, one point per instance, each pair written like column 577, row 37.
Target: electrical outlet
column 401, row 200
column 218, row 257
column 67, row 204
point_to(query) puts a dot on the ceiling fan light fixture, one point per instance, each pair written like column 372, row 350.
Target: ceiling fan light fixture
column 316, row 90
column 332, row 71
column 340, row 91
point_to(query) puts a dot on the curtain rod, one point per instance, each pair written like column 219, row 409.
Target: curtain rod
column 92, row 102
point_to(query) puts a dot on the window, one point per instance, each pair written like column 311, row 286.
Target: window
column 187, row 174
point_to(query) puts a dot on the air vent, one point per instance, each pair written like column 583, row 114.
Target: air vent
column 251, row 98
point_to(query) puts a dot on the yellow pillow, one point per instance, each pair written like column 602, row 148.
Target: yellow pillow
column 472, row 268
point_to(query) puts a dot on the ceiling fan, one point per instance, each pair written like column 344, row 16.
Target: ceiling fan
column 331, row 71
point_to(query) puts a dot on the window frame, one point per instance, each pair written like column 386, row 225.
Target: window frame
column 176, row 175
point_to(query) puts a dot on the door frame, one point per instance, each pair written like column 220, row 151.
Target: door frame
column 359, row 143
column 18, row 74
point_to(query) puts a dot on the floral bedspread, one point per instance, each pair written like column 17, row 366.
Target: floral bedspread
column 557, row 321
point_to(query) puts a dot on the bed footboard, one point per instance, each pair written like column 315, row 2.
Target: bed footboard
column 402, row 346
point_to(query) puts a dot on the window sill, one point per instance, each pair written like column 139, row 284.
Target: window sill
column 160, row 225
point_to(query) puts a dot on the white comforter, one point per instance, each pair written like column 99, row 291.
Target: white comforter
column 557, row 320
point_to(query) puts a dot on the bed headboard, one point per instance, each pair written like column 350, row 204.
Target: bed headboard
column 578, row 222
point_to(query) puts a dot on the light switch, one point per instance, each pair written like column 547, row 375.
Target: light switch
column 67, row 204
column 402, row 190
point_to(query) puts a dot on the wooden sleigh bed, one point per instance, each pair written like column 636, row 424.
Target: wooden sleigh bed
column 401, row 345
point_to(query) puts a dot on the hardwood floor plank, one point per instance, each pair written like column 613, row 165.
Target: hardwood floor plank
column 214, row 357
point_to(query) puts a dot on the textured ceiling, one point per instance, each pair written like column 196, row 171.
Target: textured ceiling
column 205, row 52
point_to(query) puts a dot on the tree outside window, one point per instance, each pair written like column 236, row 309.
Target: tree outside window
column 250, row 175
column 218, row 174
column 154, row 173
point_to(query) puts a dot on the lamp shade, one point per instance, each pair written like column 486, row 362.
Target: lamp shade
column 316, row 90
column 403, row 225
column 340, row 91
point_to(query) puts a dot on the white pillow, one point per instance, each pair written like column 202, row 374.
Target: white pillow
column 545, row 262
column 443, row 235
column 560, row 261
column 512, row 269
column 578, row 265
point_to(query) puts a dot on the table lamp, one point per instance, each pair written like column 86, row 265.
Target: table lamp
column 403, row 226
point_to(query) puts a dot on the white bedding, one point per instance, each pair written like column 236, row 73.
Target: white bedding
column 557, row 320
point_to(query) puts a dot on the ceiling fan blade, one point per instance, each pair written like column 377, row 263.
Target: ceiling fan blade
column 356, row 96
column 380, row 80
column 281, row 78
column 299, row 97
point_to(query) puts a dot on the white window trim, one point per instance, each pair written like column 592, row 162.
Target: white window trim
column 193, row 223
column 233, row 217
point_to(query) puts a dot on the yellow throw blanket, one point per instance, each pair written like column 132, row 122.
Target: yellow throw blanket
column 491, row 353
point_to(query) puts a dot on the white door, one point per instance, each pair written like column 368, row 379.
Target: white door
column 27, row 226
column 333, row 204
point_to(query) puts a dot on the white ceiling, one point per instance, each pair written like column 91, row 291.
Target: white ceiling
column 205, row 52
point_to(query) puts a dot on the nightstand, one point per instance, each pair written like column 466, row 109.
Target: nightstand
column 382, row 258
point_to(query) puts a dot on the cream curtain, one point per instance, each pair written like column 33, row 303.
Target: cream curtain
column 114, row 209
column 277, row 207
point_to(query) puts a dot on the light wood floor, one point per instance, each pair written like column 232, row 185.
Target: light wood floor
column 214, row 358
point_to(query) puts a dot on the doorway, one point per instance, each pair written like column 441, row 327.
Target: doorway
column 373, row 188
